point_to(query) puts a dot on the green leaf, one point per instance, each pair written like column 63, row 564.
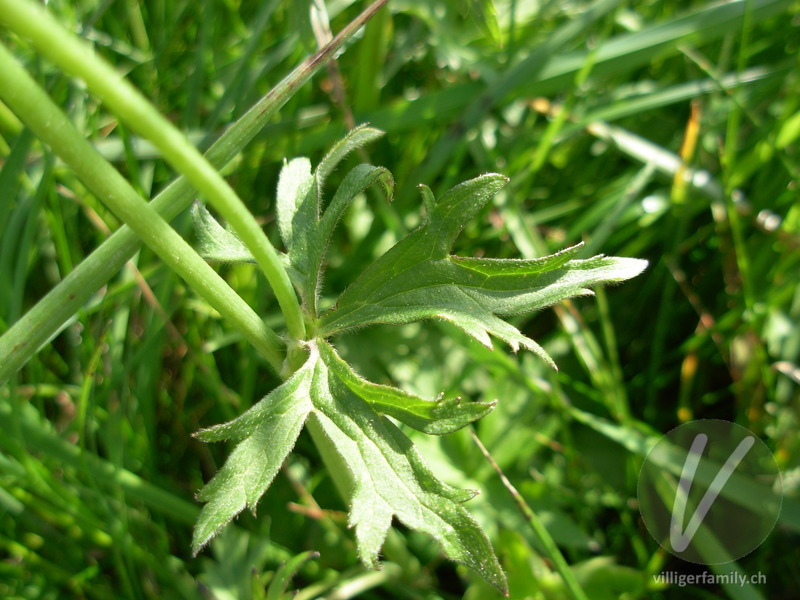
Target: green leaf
column 484, row 14
column 356, row 138
column 310, row 234
column 439, row 417
column 373, row 463
column 283, row 576
column 299, row 203
column 299, row 199
column 268, row 432
column 418, row 278
column 356, row 181
column 295, row 184
column 214, row 242
column 390, row 479
column 388, row 475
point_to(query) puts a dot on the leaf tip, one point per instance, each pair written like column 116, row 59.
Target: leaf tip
column 200, row 435
column 497, row 181
column 632, row 267
column 428, row 198
column 540, row 352
column 215, row 433
column 200, row 540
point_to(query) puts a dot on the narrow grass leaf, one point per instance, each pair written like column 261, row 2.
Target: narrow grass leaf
column 739, row 489
column 283, row 576
column 49, row 315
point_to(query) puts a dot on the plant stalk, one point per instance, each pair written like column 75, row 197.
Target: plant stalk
column 78, row 58
column 35, row 108
column 554, row 554
column 44, row 321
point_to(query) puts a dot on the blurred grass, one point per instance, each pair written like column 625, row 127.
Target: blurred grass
column 585, row 107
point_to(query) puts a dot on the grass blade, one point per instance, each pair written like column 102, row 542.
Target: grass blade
column 45, row 319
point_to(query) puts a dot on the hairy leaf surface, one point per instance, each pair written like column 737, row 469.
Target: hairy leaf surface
column 371, row 460
column 419, row 279
column 389, row 477
column 442, row 416
column 299, row 201
column 267, row 433
column 214, row 242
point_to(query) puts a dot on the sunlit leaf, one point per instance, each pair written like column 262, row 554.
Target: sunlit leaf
column 214, row 242
column 419, row 279
column 390, row 478
column 440, row 416
column 268, row 432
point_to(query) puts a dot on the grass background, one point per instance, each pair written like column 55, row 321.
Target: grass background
column 651, row 129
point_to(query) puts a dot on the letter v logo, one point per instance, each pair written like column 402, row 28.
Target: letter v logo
column 679, row 538
column 709, row 491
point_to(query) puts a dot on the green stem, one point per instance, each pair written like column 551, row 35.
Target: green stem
column 339, row 471
column 42, row 322
column 573, row 587
column 78, row 58
column 45, row 119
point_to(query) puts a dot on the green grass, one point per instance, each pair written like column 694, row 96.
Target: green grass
column 585, row 107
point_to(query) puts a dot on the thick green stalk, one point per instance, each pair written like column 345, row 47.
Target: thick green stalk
column 77, row 57
column 45, row 119
column 48, row 316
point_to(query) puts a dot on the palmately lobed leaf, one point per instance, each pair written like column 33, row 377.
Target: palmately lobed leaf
column 304, row 227
column 389, row 477
column 375, row 464
column 418, row 278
